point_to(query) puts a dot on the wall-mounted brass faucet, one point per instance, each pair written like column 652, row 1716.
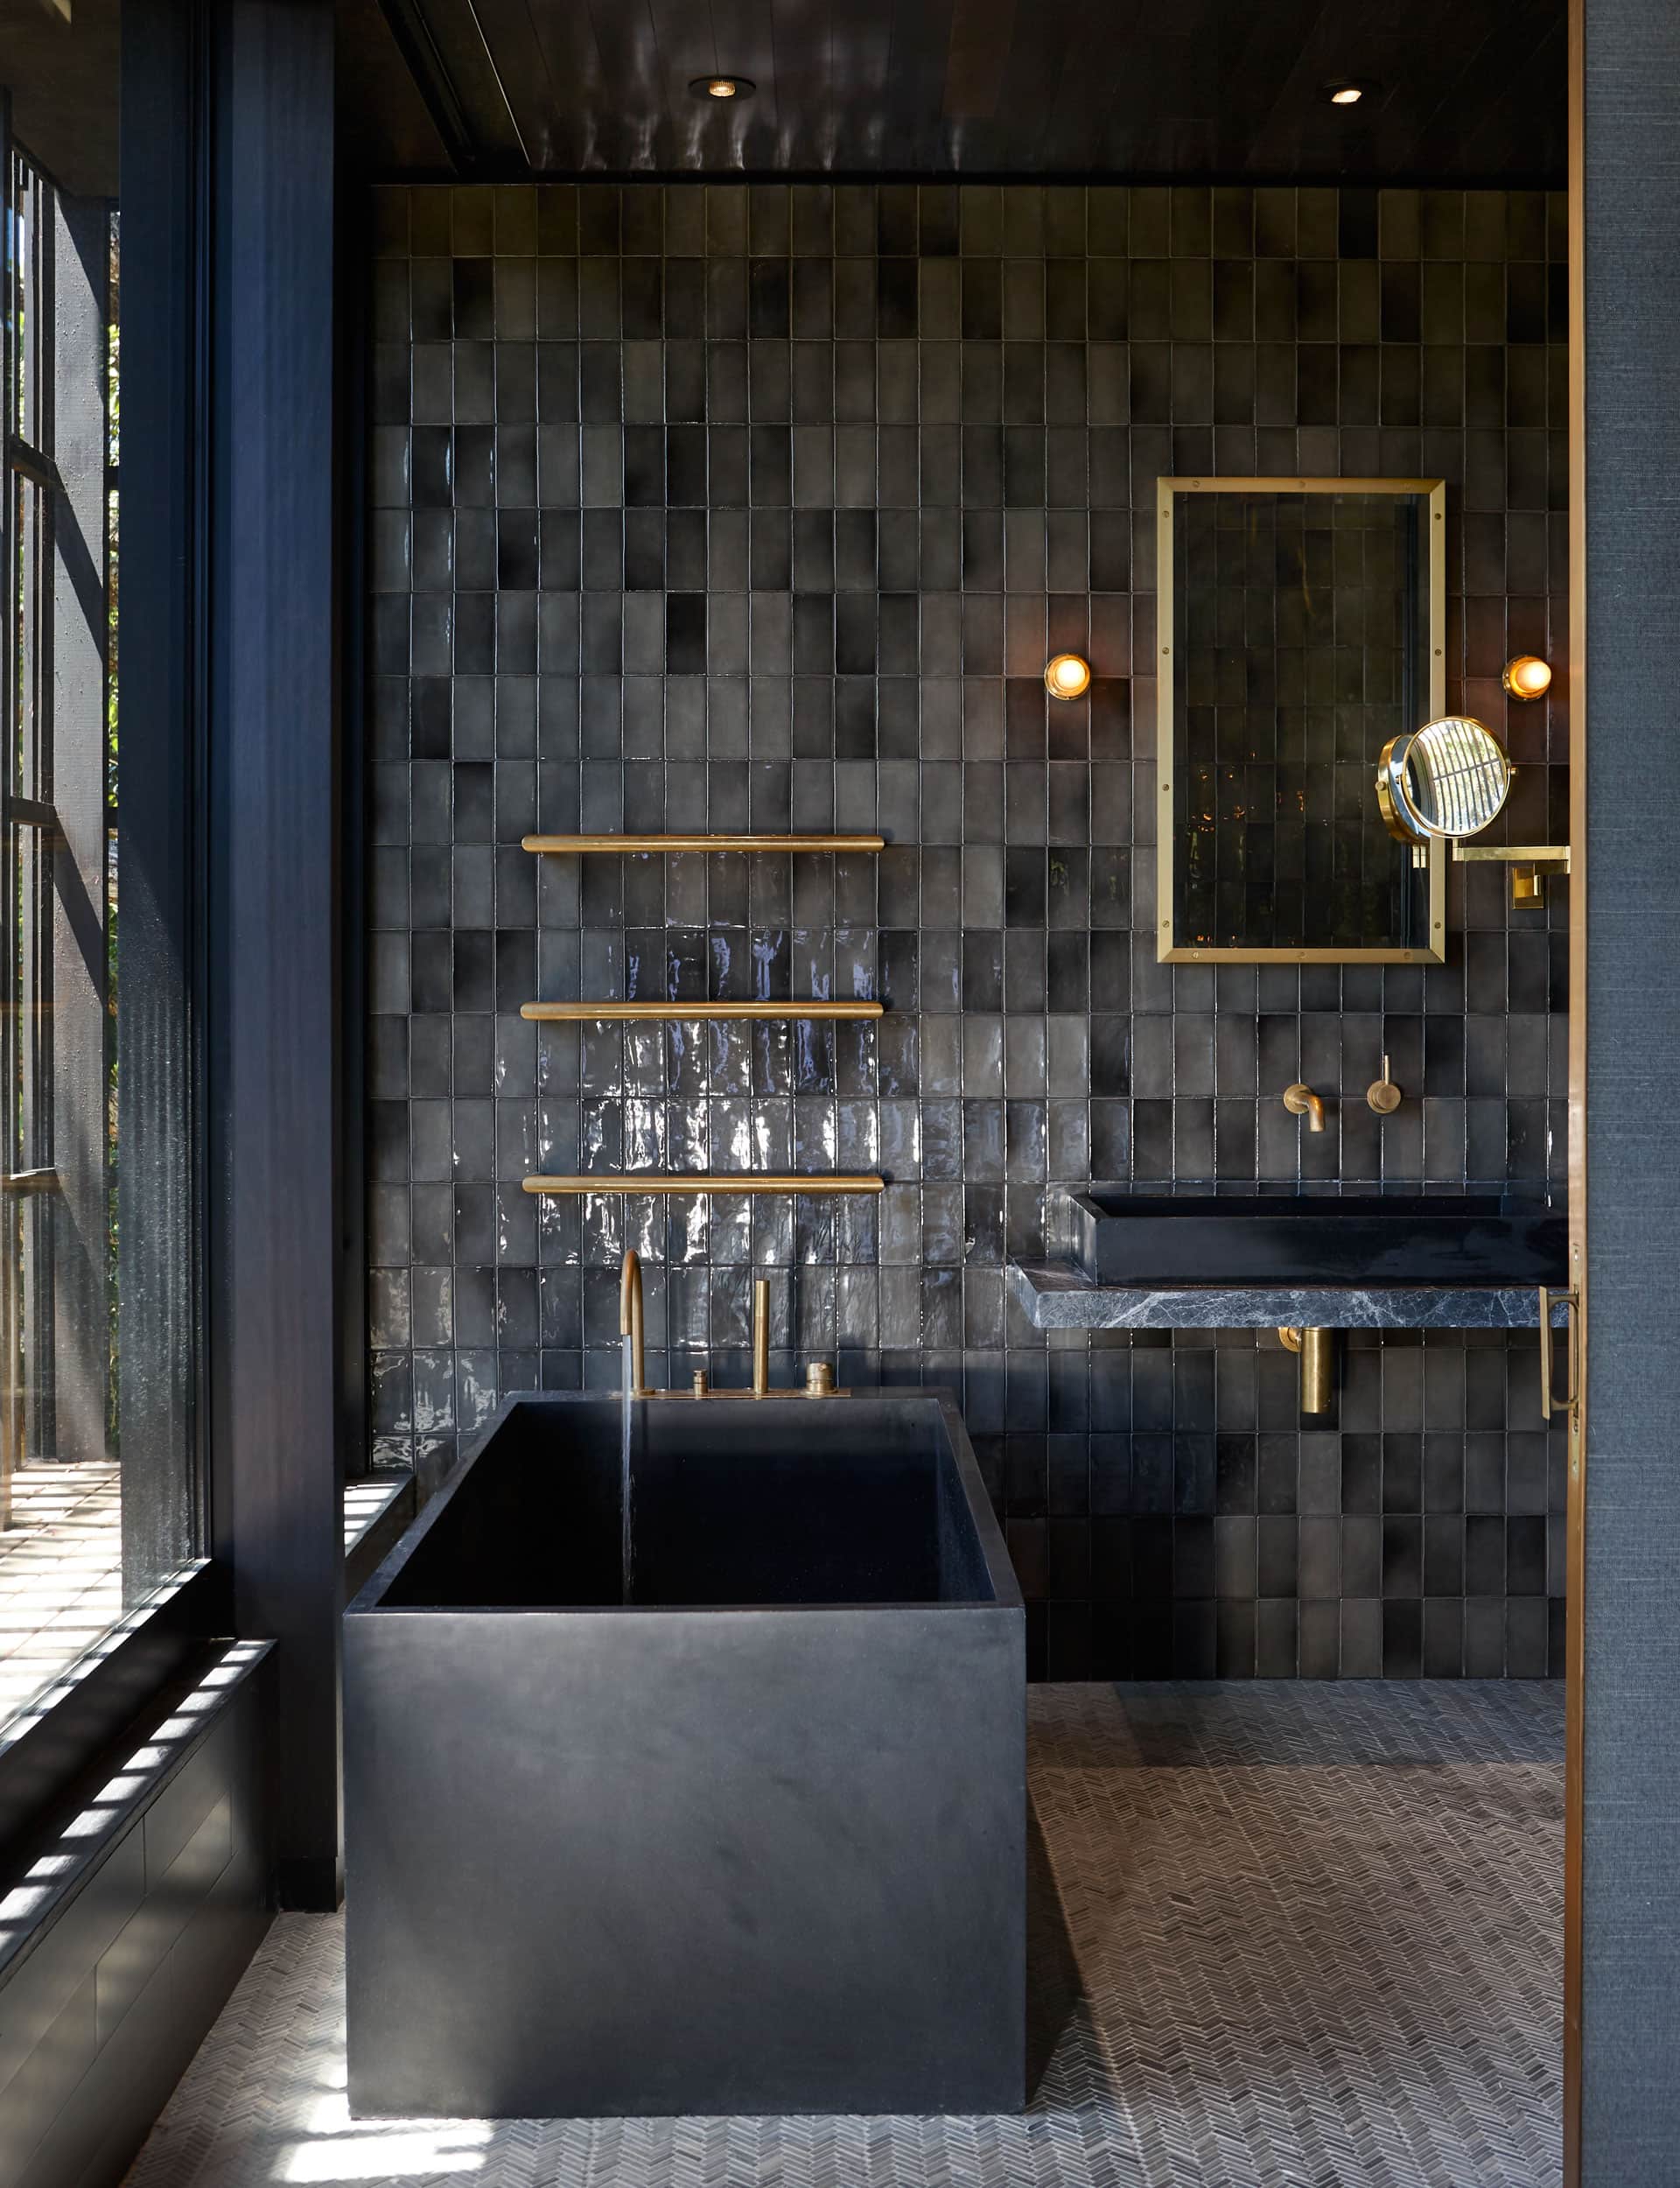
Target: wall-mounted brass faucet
column 760, row 1336
column 1301, row 1101
column 630, row 1325
column 819, row 1375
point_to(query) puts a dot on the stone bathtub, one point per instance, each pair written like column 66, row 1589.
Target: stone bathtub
column 720, row 1812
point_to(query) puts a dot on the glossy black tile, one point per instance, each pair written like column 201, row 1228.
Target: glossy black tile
column 784, row 496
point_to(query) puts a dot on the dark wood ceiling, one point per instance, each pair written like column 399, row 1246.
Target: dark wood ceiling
column 1465, row 89
column 60, row 70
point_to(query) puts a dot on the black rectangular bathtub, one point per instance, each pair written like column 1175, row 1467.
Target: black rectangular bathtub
column 722, row 1812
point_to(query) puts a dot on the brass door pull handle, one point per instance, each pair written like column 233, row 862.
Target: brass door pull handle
column 1567, row 1403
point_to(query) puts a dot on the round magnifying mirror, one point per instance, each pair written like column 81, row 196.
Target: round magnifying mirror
column 1448, row 779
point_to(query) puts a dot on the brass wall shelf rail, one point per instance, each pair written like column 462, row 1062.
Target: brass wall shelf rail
column 626, row 843
column 595, row 1009
column 706, row 1181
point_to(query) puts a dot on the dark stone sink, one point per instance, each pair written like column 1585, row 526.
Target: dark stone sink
column 1120, row 1236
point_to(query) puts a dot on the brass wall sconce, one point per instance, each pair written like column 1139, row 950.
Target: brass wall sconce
column 1526, row 676
column 1450, row 780
column 1067, row 676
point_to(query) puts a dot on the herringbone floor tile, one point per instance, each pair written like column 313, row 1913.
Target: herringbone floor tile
column 1319, row 1935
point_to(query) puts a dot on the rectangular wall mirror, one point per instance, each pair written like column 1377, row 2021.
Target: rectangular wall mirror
column 1302, row 623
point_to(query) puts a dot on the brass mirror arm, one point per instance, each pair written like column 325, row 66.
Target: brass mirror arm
column 1554, row 856
column 1532, row 865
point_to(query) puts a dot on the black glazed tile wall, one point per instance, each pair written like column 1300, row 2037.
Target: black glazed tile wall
column 762, row 507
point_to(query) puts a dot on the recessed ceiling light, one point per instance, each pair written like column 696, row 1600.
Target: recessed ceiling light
column 722, row 88
column 1345, row 92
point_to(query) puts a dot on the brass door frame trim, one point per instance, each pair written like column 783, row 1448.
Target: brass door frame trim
column 1575, row 1520
column 1434, row 550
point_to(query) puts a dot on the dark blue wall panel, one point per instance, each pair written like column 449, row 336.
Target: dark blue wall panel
column 1631, row 1969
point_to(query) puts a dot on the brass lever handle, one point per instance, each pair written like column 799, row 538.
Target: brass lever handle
column 1382, row 1094
column 1572, row 1398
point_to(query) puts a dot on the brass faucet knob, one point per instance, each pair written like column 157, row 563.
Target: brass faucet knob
column 1301, row 1101
column 702, row 1382
column 819, row 1379
column 1382, row 1094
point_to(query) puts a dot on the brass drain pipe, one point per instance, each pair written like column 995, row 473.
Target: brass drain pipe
column 1316, row 1348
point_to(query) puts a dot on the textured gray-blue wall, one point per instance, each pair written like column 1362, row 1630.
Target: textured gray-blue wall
column 1631, row 1971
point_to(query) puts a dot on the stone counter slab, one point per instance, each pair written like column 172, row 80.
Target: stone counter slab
column 1056, row 1296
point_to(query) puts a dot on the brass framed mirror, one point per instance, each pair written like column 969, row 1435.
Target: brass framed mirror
column 1301, row 625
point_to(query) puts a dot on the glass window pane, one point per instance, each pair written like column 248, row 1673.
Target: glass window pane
column 76, row 1552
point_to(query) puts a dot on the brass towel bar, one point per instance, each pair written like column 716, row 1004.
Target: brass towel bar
column 706, row 1181
column 704, row 842
column 596, row 1009
column 700, row 1181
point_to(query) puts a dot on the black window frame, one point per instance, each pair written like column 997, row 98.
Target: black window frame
column 51, row 1749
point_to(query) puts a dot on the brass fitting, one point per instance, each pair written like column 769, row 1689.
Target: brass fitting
column 1301, row 1101
column 630, row 1322
column 1382, row 1094
column 1317, row 1349
column 760, row 1336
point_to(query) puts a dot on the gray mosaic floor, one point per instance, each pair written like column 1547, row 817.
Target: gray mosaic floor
column 1317, row 1930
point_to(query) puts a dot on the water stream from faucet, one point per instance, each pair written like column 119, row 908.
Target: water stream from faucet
column 626, row 1542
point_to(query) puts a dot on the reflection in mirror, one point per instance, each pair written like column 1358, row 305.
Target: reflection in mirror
column 1450, row 778
column 1300, row 623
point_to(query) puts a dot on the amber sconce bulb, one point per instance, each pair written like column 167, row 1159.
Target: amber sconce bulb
column 1067, row 676
column 1526, row 678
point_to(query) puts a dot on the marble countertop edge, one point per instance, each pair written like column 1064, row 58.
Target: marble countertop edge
column 1058, row 1295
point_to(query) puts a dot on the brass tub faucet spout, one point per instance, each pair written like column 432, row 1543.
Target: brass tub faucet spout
column 630, row 1325
column 762, row 1336
column 1301, row 1101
